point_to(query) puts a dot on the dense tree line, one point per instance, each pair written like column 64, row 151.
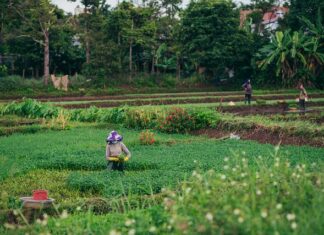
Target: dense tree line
column 159, row 38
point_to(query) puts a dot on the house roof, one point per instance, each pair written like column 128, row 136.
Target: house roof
column 269, row 17
column 274, row 14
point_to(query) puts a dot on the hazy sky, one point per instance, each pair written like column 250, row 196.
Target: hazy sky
column 70, row 6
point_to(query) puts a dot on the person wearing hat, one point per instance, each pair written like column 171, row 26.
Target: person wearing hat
column 114, row 150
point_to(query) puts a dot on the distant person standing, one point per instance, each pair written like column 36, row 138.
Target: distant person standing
column 302, row 98
column 248, row 91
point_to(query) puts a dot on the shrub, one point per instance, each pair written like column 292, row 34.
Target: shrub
column 140, row 119
column 30, row 108
column 205, row 118
column 146, row 138
column 177, row 120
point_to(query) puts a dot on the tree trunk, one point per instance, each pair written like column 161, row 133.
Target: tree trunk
column 46, row 58
column 23, row 73
column 87, row 50
column 178, row 69
column 37, row 72
column 131, row 55
column 152, row 68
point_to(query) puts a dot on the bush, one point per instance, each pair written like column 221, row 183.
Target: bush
column 12, row 83
column 146, row 138
column 3, row 71
column 30, row 108
column 177, row 120
column 205, row 118
column 140, row 119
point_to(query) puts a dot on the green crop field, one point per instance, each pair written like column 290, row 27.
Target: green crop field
column 71, row 165
column 182, row 181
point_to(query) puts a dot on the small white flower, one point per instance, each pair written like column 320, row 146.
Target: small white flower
column 277, row 159
column 243, row 152
column 78, row 208
column 293, row 225
column 226, row 167
column 234, row 169
column 303, row 166
column 188, row 190
column 226, row 159
column 243, row 159
column 233, row 183
column 45, row 216
column 275, row 183
column 114, row 232
column 271, row 175
column 287, row 164
column 152, row 229
column 240, row 220
column 64, row 214
column 264, row 214
column 15, row 212
column 244, row 184
column 194, row 173
column 276, row 164
column 243, row 175
column 131, row 232
column 180, row 199
column 291, row 216
column 236, row 211
column 128, row 222
column 209, row 216
column 279, row 206
column 260, row 157
column 258, row 192
column 208, row 191
column 223, row 177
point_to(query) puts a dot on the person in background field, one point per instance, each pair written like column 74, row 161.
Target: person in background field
column 248, row 91
column 114, row 150
column 302, row 98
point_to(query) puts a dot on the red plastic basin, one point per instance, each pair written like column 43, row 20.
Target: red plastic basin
column 40, row 194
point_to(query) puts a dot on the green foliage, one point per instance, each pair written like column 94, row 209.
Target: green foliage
column 3, row 71
column 210, row 38
column 294, row 56
column 30, row 108
column 177, row 120
column 274, row 198
column 14, row 83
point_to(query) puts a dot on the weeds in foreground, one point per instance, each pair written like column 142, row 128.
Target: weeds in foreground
column 244, row 198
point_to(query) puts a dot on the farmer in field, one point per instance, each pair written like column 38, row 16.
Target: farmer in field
column 302, row 98
column 248, row 91
column 114, row 152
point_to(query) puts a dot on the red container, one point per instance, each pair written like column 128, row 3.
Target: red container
column 40, row 194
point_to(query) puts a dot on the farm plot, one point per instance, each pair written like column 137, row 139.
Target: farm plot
column 71, row 165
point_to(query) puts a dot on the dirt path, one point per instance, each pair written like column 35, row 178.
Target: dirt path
column 139, row 102
column 264, row 136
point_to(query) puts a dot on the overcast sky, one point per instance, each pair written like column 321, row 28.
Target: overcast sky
column 70, row 6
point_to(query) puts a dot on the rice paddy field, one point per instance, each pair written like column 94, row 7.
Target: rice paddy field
column 202, row 163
